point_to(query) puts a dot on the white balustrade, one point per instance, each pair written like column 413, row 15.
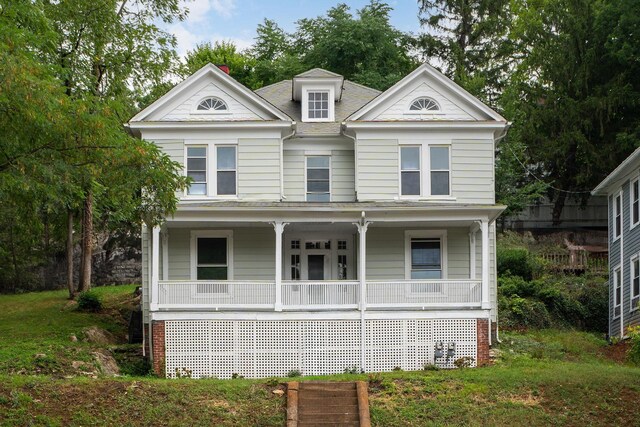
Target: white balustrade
column 338, row 294
column 237, row 295
column 424, row 293
column 319, row 295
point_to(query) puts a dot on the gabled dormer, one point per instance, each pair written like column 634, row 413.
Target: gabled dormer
column 317, row 90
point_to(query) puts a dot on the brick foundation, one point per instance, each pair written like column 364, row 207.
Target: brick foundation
column 483, row 342
column 158, row 347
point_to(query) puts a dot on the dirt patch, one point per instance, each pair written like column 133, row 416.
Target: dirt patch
column 616, row 352
column 527, row 399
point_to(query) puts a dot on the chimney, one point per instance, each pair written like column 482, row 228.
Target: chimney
column 223, row 67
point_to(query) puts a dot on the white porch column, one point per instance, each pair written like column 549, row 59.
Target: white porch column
column 278, row 226
column 155, row 266
column 362, row 277
column 165, row 254
column 484, row 227
column 472, row 253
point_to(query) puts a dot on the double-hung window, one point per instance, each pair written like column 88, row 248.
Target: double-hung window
column 197, row 169
column 219, row 179
column 635, row 282
column 410, row 176
column 617, row 215
column 635, row 202
column 440, row 170
column 226, row 170
column 426, row 258
column 617, row 291
column 212, row 258
column 318, row 178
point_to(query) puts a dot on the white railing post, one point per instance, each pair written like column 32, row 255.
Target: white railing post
column 484, row 226
column 278, row 226
column 155, row 266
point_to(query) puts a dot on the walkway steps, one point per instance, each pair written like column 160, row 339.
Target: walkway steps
column 323, row 404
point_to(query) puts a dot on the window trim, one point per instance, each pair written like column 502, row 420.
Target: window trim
column 318, row 154
column 632, row 224
column 195, row 235
column 617, row 212
column 448, row 147
column 422, row 110
column 207, row 182
column 212, row 169
column 420, row 168
column 632, row 272
column 425, row 173
column 425, row 234
column 194, row 109
column 617, row 304
column 305, row 103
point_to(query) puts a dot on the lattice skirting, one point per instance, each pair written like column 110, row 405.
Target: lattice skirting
column 255, row 349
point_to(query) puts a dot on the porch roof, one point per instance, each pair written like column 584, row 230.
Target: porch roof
column 335, row 211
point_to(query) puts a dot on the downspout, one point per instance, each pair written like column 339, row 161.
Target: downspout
column 293, row 125
column 355, row 157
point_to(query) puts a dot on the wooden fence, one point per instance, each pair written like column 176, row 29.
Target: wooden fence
column 577, row 261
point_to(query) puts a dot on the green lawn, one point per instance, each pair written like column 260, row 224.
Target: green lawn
column 541, row 378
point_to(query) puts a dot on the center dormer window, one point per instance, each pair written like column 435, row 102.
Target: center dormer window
column 318, row 105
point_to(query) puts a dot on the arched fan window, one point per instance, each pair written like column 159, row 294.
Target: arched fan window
column 212, row 104
column 424, row 104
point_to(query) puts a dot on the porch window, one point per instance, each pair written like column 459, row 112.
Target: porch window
column 410, row 171
column 617, row 291
column 635, row 202
column 318, row 179
column 212, row 259
column 617, row 215
column 440, row 171
column 635, row 282
column 226, row 171
column 197, row 170
column 426, row 259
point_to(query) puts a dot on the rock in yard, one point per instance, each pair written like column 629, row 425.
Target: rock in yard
column 106, row 363
column 278, row 392
column 73, row 338
column 96, row 335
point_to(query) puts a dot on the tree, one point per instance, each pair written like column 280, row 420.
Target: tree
column 469, row 39
column 240, row 64
column 576, row 91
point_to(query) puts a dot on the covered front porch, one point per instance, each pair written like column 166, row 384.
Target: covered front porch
column 344, row 258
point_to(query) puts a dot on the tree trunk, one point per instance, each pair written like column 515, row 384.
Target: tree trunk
column 87, row 244
column 558, row 206
column 70, row 283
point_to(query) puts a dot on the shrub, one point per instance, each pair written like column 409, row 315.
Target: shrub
column 294, row 373
column 517, row 312
column 517, row 262
column 634, row 348
column 515, row 285
column 89, row 301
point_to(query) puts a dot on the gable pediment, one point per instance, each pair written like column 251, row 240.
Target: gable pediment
column 453, row 102
column 180, row 104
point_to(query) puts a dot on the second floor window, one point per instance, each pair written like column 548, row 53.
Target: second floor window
column 197, row 170
column 219, row 179
column 410, row 171
column 318, row 179
column 439, row 159
column 226, row 170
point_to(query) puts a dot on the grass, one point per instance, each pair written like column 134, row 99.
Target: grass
column 545, row 377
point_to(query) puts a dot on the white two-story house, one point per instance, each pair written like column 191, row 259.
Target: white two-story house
column 328, row 226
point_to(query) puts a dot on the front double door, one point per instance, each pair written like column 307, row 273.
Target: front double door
column 319, row 258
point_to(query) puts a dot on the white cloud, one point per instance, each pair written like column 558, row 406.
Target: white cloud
column 224, row 8
column 186, row 39
column 199, row 10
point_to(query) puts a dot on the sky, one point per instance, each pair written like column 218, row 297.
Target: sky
column 237, row 20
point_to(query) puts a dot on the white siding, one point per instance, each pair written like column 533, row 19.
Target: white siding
column 253, row 253
column 259, row 169
column 342, row 176
column 294, row 175
column 386, row 253
column 448, row 109
column 377, row 169
column 472, row 171
column 184, row 111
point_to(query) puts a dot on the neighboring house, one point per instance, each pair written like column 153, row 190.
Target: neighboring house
column 328, row 226
column 622, row 188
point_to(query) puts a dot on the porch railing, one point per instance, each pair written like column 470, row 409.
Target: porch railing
column 318, row 295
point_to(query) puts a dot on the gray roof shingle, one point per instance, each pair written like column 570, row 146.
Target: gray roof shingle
column 354, row 96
